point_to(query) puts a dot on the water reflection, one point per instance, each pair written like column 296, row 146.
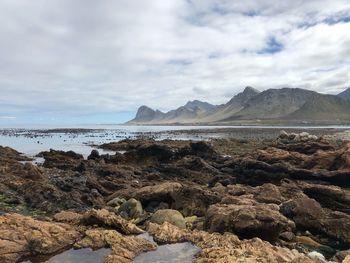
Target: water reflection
column 85, row 255
column 171, row 253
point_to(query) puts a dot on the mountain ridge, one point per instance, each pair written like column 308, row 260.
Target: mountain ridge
column 284, row 104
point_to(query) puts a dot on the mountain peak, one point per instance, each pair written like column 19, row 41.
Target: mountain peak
column 250, row 90
column 145, row 114
column 345, row 94
column 205, row 106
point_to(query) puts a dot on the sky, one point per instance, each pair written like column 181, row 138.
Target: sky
column 87, row 61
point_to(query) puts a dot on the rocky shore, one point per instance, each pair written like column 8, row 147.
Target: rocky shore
column 284, row 199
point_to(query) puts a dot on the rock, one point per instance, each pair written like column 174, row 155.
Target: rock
column 194, row 200
column 116, row 202
column 159, row 192
column 304, row 136
column 329, row 196
column 316, row 256
column 283, row 135
column 341, row 255
column 68, row 217
column 227, row 247
column 269, row 193
column 124, row 248
column 308, row 214
column 202, row 149
column 247, row 221
column 22, row 236
column 287, row 236
column 33, row 172
column 346, row 260
column 153, row 206
column 307, row 241
column 150, row 152
column 61, row 160
column 132, row 208
column 190, row 221
column 94, row 155
column 103, row 218
column 168, row 215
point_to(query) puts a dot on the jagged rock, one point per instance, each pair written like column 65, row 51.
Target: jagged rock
column 168, row 215
column 22, row 236
column 124, row 248
column 150, row 152
column 247, row 221
column 32, row 172
column 159, row 192
column 308, row 214
column 226, row 248
column 329, row 196
column 60, row 159
column 103, row 217
column 68, row 217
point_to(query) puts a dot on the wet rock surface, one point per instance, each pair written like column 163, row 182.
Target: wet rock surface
column 286, row 199
column 22, row 236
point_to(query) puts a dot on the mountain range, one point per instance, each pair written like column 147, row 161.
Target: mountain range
column 285, row 105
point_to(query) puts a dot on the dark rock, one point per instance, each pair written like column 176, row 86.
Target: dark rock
column 247, row 221
column 94, row 155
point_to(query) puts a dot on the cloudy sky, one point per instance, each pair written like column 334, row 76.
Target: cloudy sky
column 97, row 61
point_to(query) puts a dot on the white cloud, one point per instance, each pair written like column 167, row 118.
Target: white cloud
column 87, row 56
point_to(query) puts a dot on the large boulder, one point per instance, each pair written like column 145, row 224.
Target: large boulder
column 247, row 221
column 168, row 215
column 308, row 214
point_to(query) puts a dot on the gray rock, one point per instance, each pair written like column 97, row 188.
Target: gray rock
column 132, row 208
column 283, row 135
column 168, row 215
column 116, row 202
column 316, row 256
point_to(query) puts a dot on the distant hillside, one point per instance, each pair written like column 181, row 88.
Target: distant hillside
column 227, row 110
column 286, row 104
column 345, row 94
column 187, row 113
column 274, row 103
column 323, row 107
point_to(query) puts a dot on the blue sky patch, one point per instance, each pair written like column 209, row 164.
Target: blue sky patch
column 272, row 47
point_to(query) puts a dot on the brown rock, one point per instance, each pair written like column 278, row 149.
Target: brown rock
column 260, row 220
column 340, row 256
column 68, row 217
column 103, row 217
column 307, row 213
column 124, row 248
column 269, row 193
column 226, row 248
column 22, row 236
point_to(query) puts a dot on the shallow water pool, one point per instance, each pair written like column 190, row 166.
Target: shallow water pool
column 85, row 255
